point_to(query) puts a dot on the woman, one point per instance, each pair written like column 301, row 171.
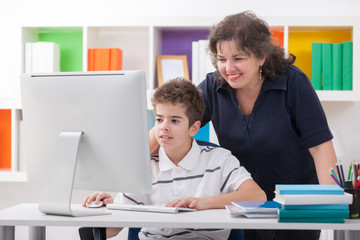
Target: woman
column 266, row 111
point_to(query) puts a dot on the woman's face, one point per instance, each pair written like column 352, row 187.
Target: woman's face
column 238, row 68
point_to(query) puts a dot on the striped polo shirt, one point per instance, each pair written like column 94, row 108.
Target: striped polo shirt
column 204, row 171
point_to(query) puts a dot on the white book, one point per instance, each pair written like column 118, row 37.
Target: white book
column 21, row 154
column 312, row 199
column 205, row 65
column 235, row 211
column 201, row 61
column 45, row 57
column 148, row 208
column 257, row 206
column 195, row 63
column 27, row 58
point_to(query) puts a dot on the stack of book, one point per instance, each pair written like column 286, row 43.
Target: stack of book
column 253, row 209
column 104, row 59
column 312, row 203
column 331, row 66
column 42, row 57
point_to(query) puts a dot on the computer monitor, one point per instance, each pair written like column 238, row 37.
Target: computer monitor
column 85, row 130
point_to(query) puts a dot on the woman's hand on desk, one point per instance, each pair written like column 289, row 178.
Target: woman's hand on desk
column 97, row 197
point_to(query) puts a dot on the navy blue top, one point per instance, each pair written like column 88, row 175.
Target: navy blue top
column 273, row 143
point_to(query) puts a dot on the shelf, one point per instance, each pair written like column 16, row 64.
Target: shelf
column 141, row 39
column 337, row 96
column 9, row 176
column 133, row 41
column 301, row 38
column 70, row 40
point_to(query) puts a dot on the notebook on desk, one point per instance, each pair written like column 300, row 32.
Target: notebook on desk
column 148, row 208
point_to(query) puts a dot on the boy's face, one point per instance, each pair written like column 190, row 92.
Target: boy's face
column 172, row 129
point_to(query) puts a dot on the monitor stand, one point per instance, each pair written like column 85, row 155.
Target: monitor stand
column 57, row 191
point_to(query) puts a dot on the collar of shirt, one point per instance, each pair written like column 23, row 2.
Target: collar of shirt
column 188, row 162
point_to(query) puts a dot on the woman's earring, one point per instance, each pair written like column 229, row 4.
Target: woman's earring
column 260, row 72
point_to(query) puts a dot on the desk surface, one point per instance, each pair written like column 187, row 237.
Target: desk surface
column 27, row 214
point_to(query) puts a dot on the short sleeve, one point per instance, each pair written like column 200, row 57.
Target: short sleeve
column 306, row 111
column 233, row 174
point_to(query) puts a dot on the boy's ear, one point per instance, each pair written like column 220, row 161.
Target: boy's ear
column 195, row 128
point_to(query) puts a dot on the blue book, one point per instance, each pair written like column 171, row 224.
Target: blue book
column 321, row 206
column 312, row 220
column 308, row 189
column 316, row 213
column 257, row 206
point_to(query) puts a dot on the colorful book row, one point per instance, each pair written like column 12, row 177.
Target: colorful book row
column 312, row 203
column 332, row 66
column 104, row 59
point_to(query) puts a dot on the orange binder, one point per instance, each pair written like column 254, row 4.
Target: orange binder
column 115, row 59
column 5, row 139
column 102, row 59
column 91, row 59
column 277, row 35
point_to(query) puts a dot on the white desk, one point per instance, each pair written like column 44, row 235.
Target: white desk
column 29, row 215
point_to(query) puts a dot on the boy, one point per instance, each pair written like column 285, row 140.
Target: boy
column 184, row 173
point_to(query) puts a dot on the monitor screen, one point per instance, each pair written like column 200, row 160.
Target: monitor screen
column 85, row 130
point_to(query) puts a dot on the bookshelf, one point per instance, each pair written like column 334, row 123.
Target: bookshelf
column 141, row 39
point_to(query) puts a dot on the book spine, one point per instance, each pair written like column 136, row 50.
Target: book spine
column 316, row 65
column 313, row 213
column 337, row 65
column 91, row 59
column 313, row 220
column 327, row 72
column 102, row 59
column 105, row 59
column 115, row 59
column 313, row 199
column 322, row 206
column 28, row 56
column 5, row 139
column 195, row 63
column 347, row 65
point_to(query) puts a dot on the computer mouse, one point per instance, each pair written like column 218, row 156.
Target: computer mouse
column 95, row 205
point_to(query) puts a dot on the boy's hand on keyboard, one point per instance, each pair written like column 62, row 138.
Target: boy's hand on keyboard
column 97, row 197
column 190, row 202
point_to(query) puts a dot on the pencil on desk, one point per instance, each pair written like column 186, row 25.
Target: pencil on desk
column 342, row 174
column 349, row 172
column 339, row 178
column 334, row 177
column 355, row 170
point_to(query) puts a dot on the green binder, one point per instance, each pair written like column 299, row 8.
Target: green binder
column 347, row 65
column 327, row 72
column 337, row 61
column 316, row 60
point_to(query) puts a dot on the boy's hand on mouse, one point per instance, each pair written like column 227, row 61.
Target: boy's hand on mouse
column 190, row 202
column 97, row 197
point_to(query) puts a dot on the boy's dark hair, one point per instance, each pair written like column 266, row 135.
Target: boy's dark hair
column 180, row 90
column 252, row 35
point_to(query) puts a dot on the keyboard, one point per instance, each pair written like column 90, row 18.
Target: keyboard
column 148, row 208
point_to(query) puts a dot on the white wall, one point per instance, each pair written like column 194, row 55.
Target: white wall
column 343, row 117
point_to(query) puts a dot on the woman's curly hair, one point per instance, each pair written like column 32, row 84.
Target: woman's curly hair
column 252, row 35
